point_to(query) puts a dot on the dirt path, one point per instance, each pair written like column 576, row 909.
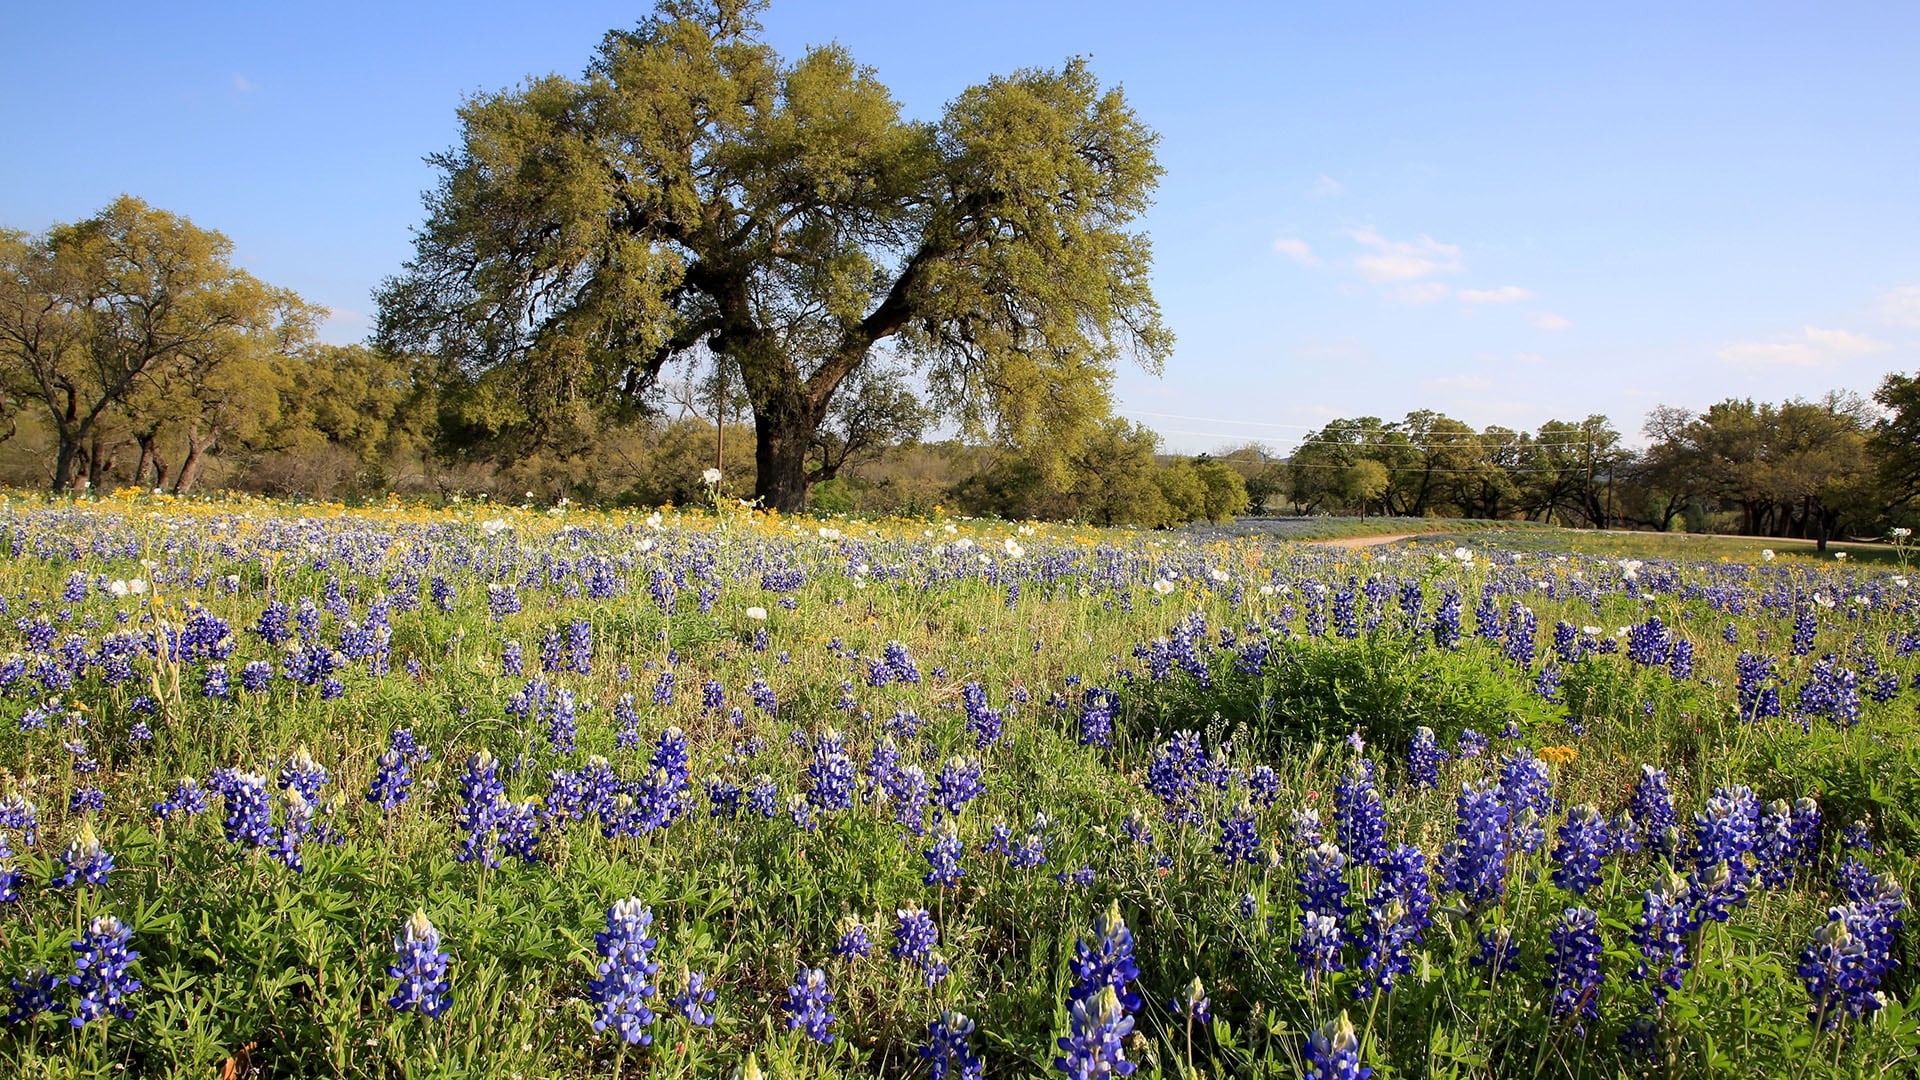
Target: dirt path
column 1363, row 541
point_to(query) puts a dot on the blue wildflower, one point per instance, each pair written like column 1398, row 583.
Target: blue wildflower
column 624, row 986
column 421, row 969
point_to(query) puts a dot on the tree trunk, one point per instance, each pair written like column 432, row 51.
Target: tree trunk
column 63, row 463
column 190, row 465
column 145, row 442
column 782, row 435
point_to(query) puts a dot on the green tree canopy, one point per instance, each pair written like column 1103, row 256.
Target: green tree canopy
column 695, row 195
column 93, row 311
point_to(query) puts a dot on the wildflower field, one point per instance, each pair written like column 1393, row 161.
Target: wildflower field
column 511, row 792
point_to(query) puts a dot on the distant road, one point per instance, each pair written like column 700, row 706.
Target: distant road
column 1363, row 541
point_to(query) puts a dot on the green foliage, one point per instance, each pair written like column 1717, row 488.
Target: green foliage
column 695, row 195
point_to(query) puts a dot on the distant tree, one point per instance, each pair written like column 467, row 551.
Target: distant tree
column 89, row 310
column 695, row 194
column 1895, row 441
column 1226, row 493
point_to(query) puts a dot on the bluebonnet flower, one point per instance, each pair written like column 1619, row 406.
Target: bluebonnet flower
column 1583, row 840
column 694, row 998
column 763, row 796
column 248, row 819
column 10, row 875
column 1323, row 910
column 1397, row 915
column 832, row 772
column 1194, row 1004
column 421, row 969
column 806, row 1004
column 801, row 811
column 946, row 1052
column 1804, row 825
column 1471, row 744
column 1174, row 771
column 985, row 723
column 1106, row 963
column 856, row 941
column 1574, row 960
column 519, row 825
column 481, row 796
column 1498, row 952
column 256, row 676
column 34, row 995
column 84, row 860
column 187, row 798
column 1097, row 710
column 958, row 783
column 1263, row 784
column 1135, row 828
column 1775, row 847
column 1649, row 644
column 1836, row 970
column 1318, row 949
column 1446, row 621
column 944, row 857
column 621, row 993
column 1661, row 935
column 391, row 779
column 299, row 819
column 1475, row 863
column 1303, row 825
column 1082, row 878
column 1095, row 1045
column 1239, row 837
column 1724, row 833
column 1680, row 661
column 303, row 774
column 1333, row 1052
column 1526, row 782
column 1424, row 758
column 1652, row 807
column 20, row 813
column 1360, row 821
column 102, row 972
column 914, row 935
column 1521, row 628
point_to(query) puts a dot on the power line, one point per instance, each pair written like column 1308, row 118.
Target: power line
column 1477, row 439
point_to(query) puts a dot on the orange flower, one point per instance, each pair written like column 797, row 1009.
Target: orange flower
column 1558, row 755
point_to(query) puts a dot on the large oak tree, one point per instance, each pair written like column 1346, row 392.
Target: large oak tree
column 693, row 196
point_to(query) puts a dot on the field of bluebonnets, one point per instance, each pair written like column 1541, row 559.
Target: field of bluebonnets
column 518, row 792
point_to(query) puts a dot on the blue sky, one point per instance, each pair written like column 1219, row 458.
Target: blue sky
column 1509, row 213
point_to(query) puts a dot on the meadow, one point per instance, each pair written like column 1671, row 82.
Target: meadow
column 490, row 791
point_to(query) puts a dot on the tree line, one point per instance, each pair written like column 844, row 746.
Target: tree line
column 133, row 351
column 1809, row 469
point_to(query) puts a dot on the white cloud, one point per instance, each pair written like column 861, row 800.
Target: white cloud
column 1297, row 250
column 1505, row 294
column 1901, row 306
column 1529, row 358
column 1326, row 187
column 1547, row 320
column 1463, row 383
column 1396, row 260
column 1425, row 292
column 244, row 84
column 1844, row 342
column 1820, row 348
